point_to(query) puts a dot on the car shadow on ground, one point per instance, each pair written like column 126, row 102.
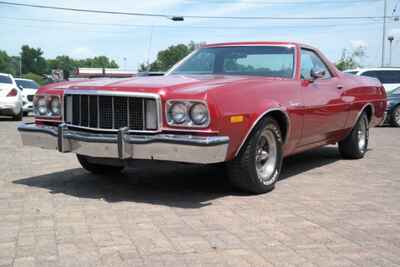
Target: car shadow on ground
column 175, row 185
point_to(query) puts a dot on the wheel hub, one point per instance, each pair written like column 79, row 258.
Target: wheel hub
column 362, row 135
column 266, row 157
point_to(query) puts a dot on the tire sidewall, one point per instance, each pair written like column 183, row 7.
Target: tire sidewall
column 267, row 124
column 363, row 119
column 393, row 120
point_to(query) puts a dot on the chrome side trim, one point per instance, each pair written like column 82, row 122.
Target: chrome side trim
column 288, row 126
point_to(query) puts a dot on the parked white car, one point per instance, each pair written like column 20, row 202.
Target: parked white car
column 28, row 88
column 10, row 97
column 389, row 77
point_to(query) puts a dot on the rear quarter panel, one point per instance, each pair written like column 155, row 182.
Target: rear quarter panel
column 363, row 91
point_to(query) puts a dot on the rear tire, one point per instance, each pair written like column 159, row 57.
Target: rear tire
column 355, row 145
column 258, row 165
column 97, row 168
column 395, row 117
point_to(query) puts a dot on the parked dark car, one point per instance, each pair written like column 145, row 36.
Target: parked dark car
column 393, row 107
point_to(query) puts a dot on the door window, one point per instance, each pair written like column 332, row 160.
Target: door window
column 310, row 60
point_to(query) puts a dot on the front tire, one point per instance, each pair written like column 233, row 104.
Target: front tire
column 355, row 145
column 258, row 165
column 97, row 168
column 395, row 117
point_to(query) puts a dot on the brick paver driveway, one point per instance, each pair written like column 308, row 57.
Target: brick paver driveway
column 324, row 212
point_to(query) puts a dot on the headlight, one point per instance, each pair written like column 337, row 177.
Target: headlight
column 187, row 113
column 199, row 114
column 47, row 106
column 55, row 106
column 41, row 106
column 178, row 112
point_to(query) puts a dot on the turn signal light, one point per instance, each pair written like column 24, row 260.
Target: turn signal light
column 13, row 92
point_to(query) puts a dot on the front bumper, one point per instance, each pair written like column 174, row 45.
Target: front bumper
column 27, row 107
column 121, row 145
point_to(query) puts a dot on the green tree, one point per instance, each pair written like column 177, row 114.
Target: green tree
column 32, row 60
column 64, row 63
column 169, row 57
column 6, row 63
column 351, row 60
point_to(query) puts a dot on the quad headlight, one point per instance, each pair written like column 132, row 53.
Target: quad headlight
column 187, row 113
column 47, row 106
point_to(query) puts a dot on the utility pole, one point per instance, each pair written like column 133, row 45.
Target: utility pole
column 390, row 38
column 20, row 66
column 384, row 33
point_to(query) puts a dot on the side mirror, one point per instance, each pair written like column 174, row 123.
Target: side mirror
column 21, row 87
column 317, row 74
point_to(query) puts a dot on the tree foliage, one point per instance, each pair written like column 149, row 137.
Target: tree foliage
column 351, row 60
column 6, row 65
column 169, row 57
column 33, row 60
column 33, row 63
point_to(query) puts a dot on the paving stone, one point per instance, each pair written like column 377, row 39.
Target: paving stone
column 324, row 212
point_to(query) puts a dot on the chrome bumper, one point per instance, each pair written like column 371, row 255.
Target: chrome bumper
column 121, row 145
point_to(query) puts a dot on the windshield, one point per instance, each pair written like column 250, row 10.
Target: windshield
column 27, row 84
column 5, row 79
column 384, row 76
column 395, row 92
column 268, row 61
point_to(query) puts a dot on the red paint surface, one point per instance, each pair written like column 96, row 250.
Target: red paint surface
column 319, row 112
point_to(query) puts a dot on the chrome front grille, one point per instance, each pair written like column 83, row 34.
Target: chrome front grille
column 111, row 112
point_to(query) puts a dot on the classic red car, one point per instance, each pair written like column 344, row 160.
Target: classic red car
column 246, row 104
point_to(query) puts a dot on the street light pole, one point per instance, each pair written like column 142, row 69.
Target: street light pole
column 20, row 66
column 390, row 38
column 384, row 33
column 174, row 18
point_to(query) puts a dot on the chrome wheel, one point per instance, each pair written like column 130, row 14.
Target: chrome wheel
column 396, row 115
column 266, row 157
column 362, row 135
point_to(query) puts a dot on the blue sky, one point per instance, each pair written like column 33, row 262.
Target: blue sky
column 86, row 35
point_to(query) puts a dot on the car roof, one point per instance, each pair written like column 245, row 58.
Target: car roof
column 374, row 69
column 254, row 44
column 5, row 74
column 22, row 79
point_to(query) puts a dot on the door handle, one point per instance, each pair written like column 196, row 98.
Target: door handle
column 339, row 87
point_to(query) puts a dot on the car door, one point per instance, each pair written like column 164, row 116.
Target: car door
column 325, row 111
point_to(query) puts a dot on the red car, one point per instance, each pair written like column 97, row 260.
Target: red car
column 246, row 104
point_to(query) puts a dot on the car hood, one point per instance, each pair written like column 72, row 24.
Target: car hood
column 28, row 91
column 164, row 85
column 394, row 98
